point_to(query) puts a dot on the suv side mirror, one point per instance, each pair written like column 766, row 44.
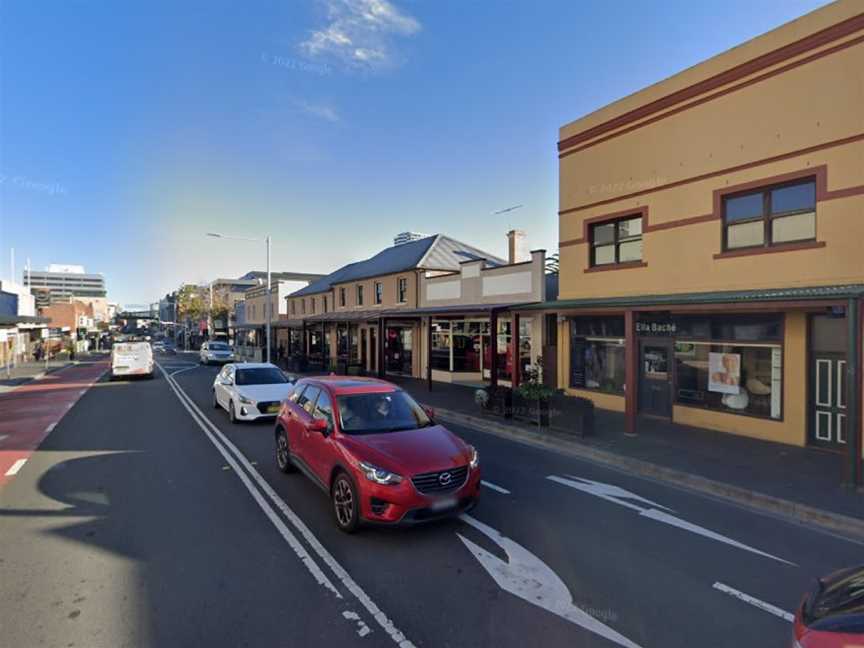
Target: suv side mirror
column 319, row 425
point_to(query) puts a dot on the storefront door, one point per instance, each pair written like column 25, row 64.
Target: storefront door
column 398, row 350
column 655, row 377
column 828, row 399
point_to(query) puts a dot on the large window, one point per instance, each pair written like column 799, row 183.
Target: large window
column 342, row 297
column 457, row 345
column 617, row 241
column 440, row 355
column 597, row 362
column 360, row 294
column 772, row 216
column 379, row 292
column 402, row 290
column 740, row 379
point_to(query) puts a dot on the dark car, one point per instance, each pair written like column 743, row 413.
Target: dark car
column 832, row 612
column 378, row 454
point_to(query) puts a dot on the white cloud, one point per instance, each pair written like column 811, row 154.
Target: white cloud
column 359, row 33
column 322, row 111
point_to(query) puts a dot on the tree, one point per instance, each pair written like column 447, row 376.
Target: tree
column 191, row 303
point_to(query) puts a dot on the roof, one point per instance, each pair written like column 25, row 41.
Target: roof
column 438, row 252
column 12, row 320
column 283, row 276
column 817, row 293
column 353, row 384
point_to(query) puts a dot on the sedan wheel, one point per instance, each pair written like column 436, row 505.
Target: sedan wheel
column 345, row 504
column 283, row 452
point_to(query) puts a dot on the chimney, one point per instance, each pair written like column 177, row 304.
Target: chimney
column 517, row 247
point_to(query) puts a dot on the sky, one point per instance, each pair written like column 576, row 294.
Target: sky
column 129, row 130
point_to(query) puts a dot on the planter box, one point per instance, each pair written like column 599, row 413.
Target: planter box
column 571, row 414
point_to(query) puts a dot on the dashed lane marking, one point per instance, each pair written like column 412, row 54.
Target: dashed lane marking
column 762, row 605
column 15, row 467
column 494, row 487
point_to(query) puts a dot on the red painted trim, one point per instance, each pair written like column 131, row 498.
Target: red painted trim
column 813, row 41
column 787, row 247
column 734, row 169
column 631, row 367
column 617, row 266
column 692, row 220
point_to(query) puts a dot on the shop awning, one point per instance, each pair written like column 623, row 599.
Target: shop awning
column 13, row 320
column 776, row 296
column 460, row 309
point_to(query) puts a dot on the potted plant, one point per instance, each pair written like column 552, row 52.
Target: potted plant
column 534, row 391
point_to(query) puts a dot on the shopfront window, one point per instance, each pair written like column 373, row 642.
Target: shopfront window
column 341, row 341
column 466, row 346
column 505, row 358
column 739, row 379
column 597, row 363
column 440, row 356
column 354, row 341
column 526, row 359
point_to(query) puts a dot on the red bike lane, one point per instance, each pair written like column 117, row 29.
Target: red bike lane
column 30, row 412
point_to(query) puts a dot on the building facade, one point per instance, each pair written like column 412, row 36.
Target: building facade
column 62, row 283
column 710, row 228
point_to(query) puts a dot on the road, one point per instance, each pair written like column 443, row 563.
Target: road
column 146, row 519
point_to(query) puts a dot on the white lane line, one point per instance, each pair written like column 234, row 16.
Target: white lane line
column 362, row 628
column 50, row 428
column 494, row 487
column 13, row 470
column 3, row 437
column 290, row 538
column 345, row 578
column 179, row 371
column 762, row 605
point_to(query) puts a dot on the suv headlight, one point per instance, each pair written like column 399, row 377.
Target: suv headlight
column 245, row 400
column 379, row 475
column 475, row 458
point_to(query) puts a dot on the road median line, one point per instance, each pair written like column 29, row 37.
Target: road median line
column 227, row 449
column 821, row 519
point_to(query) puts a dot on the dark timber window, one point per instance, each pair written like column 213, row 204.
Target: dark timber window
column 616, row 241
column 402, row 290
column 360, row 294
column 379, row 292
column 771, row 216
column 342, row 297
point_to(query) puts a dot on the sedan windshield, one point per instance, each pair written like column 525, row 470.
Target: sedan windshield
column 217, row 346
column 381, row 412
column 260, row 376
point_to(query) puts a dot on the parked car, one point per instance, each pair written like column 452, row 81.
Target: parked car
column 832, row 612
column 131, row 359
column 250, row 390
column 379, row 455
column 216, row 352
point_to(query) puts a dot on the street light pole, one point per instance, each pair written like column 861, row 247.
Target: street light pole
column 269, row 300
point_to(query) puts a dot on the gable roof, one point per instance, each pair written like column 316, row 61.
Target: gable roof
column 438, row 252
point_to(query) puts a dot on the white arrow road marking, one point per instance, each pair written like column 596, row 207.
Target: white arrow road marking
column 526, row 576
column 661, row 516
column 608, row 493
column 762, row 605
column 495, row 487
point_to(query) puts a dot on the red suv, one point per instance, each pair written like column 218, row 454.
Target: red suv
column 378, row 454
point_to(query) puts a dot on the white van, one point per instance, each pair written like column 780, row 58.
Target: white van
column 132, row 359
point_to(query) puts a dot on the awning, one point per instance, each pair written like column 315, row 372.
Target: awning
column 12, row 320
column 730, row 297
column 459, row 309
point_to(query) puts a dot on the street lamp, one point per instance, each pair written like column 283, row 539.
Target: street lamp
column 269, row 308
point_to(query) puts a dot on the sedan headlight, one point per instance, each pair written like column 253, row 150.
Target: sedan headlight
column 379, row 475
column 475, row 458
column 245, row 400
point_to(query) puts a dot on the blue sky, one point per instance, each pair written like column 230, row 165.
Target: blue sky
column 128, row 130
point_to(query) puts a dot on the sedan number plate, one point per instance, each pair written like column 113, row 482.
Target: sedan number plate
column 443, row 504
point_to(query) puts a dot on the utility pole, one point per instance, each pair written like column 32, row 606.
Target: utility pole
column 269, row 300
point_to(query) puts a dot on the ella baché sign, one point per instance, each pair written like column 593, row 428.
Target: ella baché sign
column 657, row 328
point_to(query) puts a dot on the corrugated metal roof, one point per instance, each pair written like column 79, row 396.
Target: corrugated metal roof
column 720, row 297
column 436, row 252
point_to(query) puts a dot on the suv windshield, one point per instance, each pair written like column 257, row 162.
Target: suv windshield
column 260, row 376
column 381, row 412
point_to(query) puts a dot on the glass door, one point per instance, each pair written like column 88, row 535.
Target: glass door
column 655, row 378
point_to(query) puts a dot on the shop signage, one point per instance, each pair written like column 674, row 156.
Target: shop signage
column 656, row 328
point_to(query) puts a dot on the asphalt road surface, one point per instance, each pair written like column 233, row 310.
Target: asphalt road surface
column 146, row 519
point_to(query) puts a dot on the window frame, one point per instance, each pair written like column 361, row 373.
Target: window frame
column 342, row 297
column 616, row 241
column 767, row 217
column 402, row 290
column 358, row 294
column 378, row 292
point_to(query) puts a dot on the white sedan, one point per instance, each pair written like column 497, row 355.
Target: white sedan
column 250, row 390
column 218, row 352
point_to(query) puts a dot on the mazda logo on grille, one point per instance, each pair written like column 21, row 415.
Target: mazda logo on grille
column 445, row 478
